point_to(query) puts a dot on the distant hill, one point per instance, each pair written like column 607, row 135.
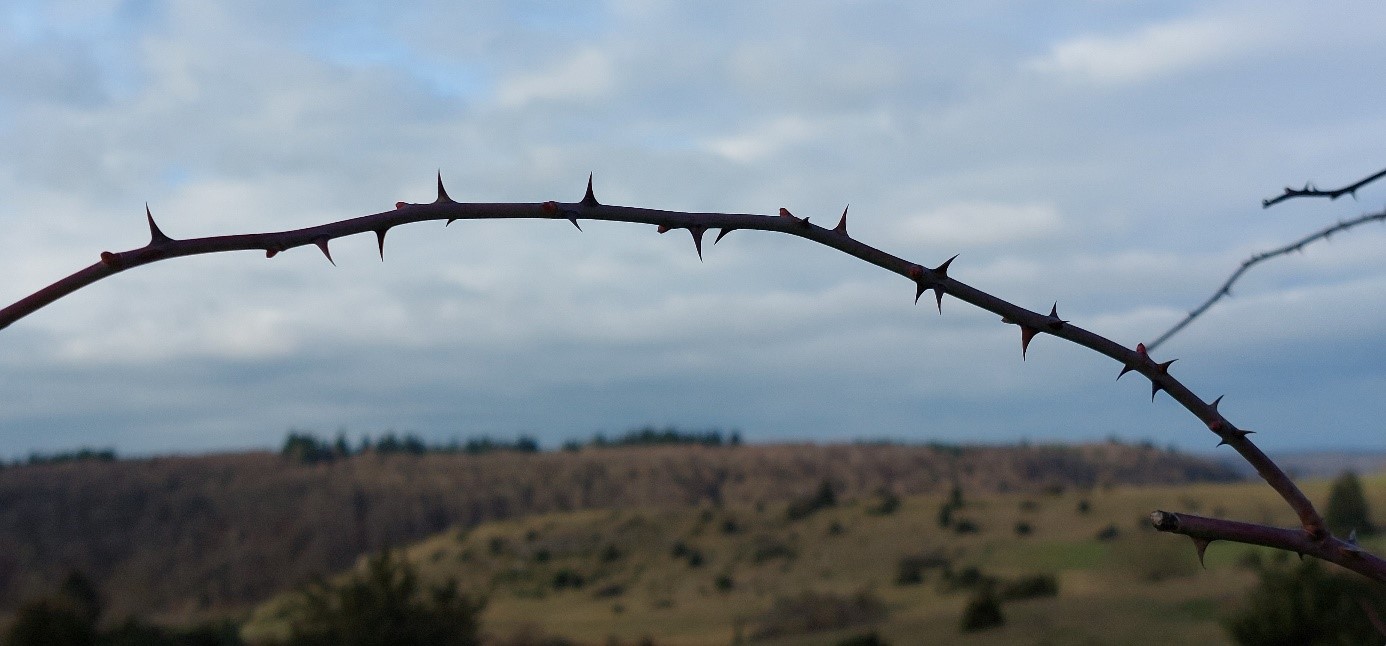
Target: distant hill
column 1318, row 464
column 178, row 538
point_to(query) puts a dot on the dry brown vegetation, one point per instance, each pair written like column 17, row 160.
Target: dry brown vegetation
column 178, row 538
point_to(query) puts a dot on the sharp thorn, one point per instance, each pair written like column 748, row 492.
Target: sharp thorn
column 574, row 221
column 1125, row 369
column 1215, row 403
column 841, row 227
column 450, row 221
column 919, row 290
column 1164, row 367
column 722, row 233
column 698, row 240
column 942, row 270
column 1155, row 388
column 1201, row 544
column 589, row 199
column 442, row 192
column 380, row 240
column 1055, row 322
column 155, row 235
column 1026, row 334
column 938, row 298
column 322, row 244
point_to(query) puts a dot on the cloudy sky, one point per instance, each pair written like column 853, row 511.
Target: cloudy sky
column 1107, row 155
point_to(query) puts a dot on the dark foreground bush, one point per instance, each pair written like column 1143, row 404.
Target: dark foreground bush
column 1029, row 587
column 1307, row 605
column 385, row 606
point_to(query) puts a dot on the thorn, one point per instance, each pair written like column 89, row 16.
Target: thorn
column 270, row 253
column 574, row 221
column 1141, row 353
column 1055, row 323
column 589, row 199
column 450, row 221
column 156, row 236
column 698, row 239
column 1201, row 544
column 380, row 239
column 1155, row 388
column 942, row 270
column 442, row 192
column 1026, row 333
column 322, row 244
column 1215, row 403
column 722, row 233
column 784, row 213
column 1240, row 433
column 841, row 227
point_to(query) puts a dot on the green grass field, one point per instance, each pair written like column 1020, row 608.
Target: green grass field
column 709, row 575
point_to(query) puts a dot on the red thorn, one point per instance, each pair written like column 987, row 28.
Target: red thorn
column 663, row 228
column 698, row 239
column 442, row 192
column 784, row 213
column 942, row 270
column 1201, row 544
column 1140, row 349
column 590, row 199
column 400, row 205
column 380, row 240
column 109, row 259
column 1026, row 333
column 722, row 233
column 841, row 227
column 322, row 244
column 155, row 235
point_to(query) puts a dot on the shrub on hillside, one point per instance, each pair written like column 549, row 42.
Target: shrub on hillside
column 823, row 498
column 1029, row 587
column 983, row 611
column 811, row 612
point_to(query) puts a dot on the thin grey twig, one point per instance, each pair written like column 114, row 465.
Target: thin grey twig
column 1226, row 289
column 1310, row 190
column 1031, row 323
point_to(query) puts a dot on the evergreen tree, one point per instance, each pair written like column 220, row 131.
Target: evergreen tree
column 1306, row 605
column 1347, row 507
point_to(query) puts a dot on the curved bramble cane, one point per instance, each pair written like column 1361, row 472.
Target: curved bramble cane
column 1311, row 537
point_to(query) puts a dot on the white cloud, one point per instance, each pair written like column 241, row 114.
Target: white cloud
column 582, row 76
column 1157, row 50
column 981, row 223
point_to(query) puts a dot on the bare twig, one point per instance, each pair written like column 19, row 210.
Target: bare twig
column 1226, row 289
column 1312, row 537
column 1310, row 190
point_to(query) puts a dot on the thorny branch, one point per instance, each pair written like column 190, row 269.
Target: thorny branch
column 1310, row 190
column 1312, row 537
column 1226, row 289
